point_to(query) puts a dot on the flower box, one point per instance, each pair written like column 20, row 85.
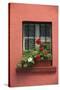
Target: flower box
column 44, row 66
column 36, row 58
column 41, row 70
column 43, row 63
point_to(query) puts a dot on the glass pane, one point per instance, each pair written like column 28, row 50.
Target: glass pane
column 31, row 30
column 42, row 30
column 48, row 39
column 48, row 30
column 26, row 30
column 42, row 39
column 31, row 43
column 37, row 30
column 26, row 44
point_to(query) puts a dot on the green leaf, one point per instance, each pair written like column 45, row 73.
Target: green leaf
column 49, row 56
column 41, row 54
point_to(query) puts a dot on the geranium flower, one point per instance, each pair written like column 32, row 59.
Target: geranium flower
column 38, row 41
column 37, row 57
column 41, row 48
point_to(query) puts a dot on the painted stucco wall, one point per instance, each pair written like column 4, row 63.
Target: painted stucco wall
column 27, row 12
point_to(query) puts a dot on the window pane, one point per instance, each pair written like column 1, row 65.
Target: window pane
column 26, row 30
column 48, row 39
column 37, row 31
column 26, row 44
column 31, row 30
column 48, row 30
column 42, row 30
column 31, row 43
column 42, row 39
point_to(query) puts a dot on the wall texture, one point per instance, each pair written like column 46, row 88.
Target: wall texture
column 30, row 12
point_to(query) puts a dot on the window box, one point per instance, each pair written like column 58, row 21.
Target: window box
column 41, row 70
column 44, row 63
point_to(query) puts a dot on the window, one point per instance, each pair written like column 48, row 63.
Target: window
column 29, row 36
column 33, row 30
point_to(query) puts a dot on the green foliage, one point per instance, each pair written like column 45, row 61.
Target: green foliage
column 49, row 56
column 29, row 55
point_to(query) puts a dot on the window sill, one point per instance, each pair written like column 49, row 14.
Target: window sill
column 42, row 70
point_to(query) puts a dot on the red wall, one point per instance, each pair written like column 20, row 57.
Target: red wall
column 27, row 12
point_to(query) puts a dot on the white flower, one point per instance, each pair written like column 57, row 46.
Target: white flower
column 19, row 65
column 25, row 65
column 30, row 59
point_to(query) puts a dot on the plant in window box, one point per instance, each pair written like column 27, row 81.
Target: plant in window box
column 26, row 62
column 36, row 57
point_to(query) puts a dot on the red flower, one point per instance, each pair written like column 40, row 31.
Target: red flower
column 37, row 57
column 38, row 41
column 42, row 48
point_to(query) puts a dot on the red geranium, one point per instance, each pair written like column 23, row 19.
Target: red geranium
column 41, row 48
column 38, row 41
column 37, row 57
